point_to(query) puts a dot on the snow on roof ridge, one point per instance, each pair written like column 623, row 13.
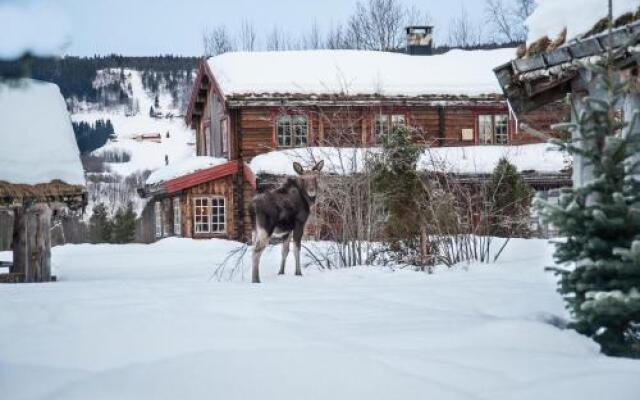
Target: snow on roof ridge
column 184, row 167
column 359, row 72
column 41, row 149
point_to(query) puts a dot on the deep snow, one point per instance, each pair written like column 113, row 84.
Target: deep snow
column 145, row 322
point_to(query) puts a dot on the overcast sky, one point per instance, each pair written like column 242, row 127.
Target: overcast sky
column 151, row 27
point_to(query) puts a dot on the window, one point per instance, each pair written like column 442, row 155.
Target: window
column 501, row 128
column 177, row 217
column 209, row 215
column 291, row 131
column 224, row 135
column 493, row 129
column 485, row 128
column 386, row 123
column 158, row 217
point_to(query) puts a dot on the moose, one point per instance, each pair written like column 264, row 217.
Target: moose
column 283, row 212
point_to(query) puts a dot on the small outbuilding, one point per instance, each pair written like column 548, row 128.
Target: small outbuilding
column 40, row 172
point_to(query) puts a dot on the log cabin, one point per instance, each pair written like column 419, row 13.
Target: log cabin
column 40, row 172
column 244, row 105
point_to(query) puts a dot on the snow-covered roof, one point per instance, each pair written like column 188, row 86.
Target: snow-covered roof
column 542, row 158
column 37, row 143
column 578, row 16
column 183, row 167
column 355, row 72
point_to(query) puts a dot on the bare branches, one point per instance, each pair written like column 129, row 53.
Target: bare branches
column 463, row 32
column 379, row 24
column 507, row 20
column 217, row 41
column 248, row 36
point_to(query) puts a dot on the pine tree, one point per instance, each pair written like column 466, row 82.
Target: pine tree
column 397, row 182
column 510, row 199
column 100, row 227
column 152, row 113
column 601, row 221
column 124, row 225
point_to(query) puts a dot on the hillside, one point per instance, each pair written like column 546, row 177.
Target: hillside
column 149, row 130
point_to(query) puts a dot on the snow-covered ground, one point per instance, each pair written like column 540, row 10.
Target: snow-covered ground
column 145, row 322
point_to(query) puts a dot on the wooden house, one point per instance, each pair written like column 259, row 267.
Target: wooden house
column 248, row 104
column 40, row 172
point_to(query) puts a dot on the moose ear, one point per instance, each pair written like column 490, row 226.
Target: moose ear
column 298, row 168
column 318, row 166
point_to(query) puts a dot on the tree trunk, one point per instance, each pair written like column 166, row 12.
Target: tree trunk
column 32, row 243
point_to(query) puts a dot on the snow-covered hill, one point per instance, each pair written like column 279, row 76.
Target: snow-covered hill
column 144, row 141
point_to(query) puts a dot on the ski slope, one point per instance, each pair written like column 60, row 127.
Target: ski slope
column 145, row 155
column 145, row 322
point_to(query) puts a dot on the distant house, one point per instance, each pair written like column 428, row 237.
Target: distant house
column 40, row 171
column 244, row 105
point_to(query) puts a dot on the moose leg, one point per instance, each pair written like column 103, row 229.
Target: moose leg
column 285, row 252
column 297, row 240
column 259, row 244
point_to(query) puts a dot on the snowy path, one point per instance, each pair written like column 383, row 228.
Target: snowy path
column 138, row 322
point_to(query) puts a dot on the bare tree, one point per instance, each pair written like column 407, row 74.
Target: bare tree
column 248, row 36
column 463, row 32
column 336, row 37
column 313, row 39
column 277, row 40
column 217, row 41
column 378, row 24
column 507, row 19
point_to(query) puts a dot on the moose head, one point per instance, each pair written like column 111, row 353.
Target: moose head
column 308, row 179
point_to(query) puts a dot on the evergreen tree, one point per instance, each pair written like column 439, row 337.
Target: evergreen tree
column 509, row 197
column 100, row 227
column 124, row 225
column 156, row 102
column 601, row 221
column 152, row 112
column 398, row 184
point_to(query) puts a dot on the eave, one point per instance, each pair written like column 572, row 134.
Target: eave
column 529, row 83
column 327, row 100
column 184, row 182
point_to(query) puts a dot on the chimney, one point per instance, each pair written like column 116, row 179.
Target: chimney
column 419, row 40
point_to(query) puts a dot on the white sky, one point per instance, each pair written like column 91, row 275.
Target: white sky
column 152, row 27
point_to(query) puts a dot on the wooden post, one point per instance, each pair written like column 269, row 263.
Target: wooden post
column 19, row 241
column 32, row 242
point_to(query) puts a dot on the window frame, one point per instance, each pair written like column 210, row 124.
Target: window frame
column 290, row 125
column 491, row 121
column 157, row 211
column 207, row 203
column 384, row 123
column 177, row 216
